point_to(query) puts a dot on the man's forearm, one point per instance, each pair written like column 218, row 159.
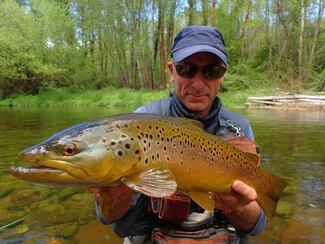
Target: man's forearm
column 112, row 202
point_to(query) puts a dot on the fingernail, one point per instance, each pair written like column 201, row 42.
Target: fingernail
column 237, row 183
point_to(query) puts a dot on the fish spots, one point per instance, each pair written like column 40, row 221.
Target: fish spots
column 109, row 130
column 122, row 145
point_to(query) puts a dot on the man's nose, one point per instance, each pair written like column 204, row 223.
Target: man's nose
column 198, row 81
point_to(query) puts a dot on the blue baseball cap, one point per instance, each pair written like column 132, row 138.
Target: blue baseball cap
column 196, row 39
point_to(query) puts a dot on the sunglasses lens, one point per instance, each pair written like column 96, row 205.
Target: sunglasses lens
column 210, row 71
column 213, row 72
column 186, row 70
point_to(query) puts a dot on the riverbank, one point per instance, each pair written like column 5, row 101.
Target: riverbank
column 108, row 97
column 121, row 98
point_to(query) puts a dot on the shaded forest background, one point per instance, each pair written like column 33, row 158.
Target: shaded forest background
column 126, row 43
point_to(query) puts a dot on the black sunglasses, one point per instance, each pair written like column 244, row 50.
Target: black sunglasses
column 210, row 71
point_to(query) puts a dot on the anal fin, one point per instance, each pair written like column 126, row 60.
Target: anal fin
column 203, row 199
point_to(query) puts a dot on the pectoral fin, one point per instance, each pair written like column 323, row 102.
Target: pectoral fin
column 203, row 199
column 153, row 182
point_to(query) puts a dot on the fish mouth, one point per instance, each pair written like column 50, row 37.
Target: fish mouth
column 43, row 175
column 22, row 170
column 48, row 171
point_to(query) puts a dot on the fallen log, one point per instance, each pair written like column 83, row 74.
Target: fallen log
column 288, row 101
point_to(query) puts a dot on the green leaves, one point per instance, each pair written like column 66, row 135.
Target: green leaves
column 100, row 43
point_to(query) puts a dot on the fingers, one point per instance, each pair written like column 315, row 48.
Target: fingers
column 246, row 191
column 236, row 201
column 224, row 202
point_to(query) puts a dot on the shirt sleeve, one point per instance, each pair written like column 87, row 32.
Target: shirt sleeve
column 260, row 225
column 143, row 109
column 99, row 216
column 249, row 133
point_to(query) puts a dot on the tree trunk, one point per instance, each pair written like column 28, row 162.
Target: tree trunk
column 316, row 32
column 268, row 37
column 171, row 26
column 213, row 13
column 205, row 12
column 162, row 43
column 244, row 25
column 302, row 39
column 191, row 10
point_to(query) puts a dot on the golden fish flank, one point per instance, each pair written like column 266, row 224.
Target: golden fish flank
column 154, row 155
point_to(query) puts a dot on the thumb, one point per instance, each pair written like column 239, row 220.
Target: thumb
column 244, row 190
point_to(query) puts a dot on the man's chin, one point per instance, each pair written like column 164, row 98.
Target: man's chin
column 198, row 108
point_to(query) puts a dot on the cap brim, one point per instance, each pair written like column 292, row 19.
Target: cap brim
column 183, row 53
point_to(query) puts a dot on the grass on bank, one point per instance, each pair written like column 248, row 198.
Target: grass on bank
column 109, row 97
column 124, row 97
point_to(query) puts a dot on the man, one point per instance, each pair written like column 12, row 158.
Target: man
column 199, row 61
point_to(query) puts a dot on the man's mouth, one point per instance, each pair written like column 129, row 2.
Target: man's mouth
column 197, row 96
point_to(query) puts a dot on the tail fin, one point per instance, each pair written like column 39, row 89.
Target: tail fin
column 269, row 195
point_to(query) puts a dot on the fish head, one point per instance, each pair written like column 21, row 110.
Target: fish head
column 85, row 155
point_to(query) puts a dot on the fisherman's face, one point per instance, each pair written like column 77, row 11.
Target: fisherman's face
column 197, row 93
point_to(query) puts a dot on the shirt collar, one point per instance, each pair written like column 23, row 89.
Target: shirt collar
column 210, row 121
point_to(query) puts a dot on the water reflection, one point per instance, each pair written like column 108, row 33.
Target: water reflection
column 291, row 143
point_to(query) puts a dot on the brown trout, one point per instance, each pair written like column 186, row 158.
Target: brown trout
column 152, row 154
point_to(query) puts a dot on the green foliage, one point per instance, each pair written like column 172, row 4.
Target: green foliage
column 317, row 81
column 26, row 59
column 244, row 76
column 96, row 44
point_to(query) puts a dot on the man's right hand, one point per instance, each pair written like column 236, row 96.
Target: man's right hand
column 113, row 201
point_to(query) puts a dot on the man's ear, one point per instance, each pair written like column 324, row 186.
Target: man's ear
column 222, row 79
column 171, row 70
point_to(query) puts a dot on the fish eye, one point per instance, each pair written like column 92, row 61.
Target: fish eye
column 70, row 150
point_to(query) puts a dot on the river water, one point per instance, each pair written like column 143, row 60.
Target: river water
column 292, row 145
